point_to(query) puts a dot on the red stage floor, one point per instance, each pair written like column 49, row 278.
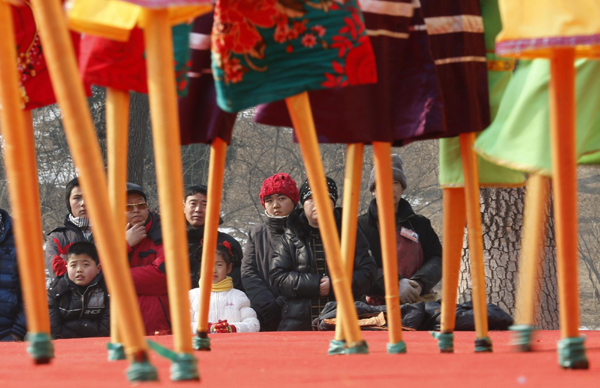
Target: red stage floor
column 299, row 359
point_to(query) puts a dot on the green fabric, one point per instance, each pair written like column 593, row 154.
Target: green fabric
column 40, row 347
column 571, row 353
column 116, row 351
column 201, row 343
column 451, row 173
column 445, row 341
column 483, row 344
column 519, row 136
column 397, row 348
column 336, row 347
column 521, row 337
column 142, row 371
column 184, row 366
column 358, row 348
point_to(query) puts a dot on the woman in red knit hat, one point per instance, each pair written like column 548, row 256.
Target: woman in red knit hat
column 279, row 195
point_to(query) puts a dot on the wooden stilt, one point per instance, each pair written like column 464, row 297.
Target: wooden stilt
column 60, row 57
column 354, row 161
column 21, row 171
column 564, row 185
column 167, row 152
column 471, row 177
column 455, row 218
column 384, row 193
column 117, row 131
column 299, row 109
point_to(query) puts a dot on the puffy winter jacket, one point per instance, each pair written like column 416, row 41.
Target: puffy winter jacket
column 78, row 312
column 293, row 271
column 57, row 243
column 12, row 317
column 232, row 305
column 147, row 262
column 262, row 241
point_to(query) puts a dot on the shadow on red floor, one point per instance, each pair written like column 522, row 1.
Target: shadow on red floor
column 299, row 359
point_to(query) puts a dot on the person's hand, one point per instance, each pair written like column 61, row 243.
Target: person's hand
column 324, row 286
column 135, row 234
column 417, row 286
column 408, row 293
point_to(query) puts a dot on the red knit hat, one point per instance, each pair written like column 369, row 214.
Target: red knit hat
column 280, row 183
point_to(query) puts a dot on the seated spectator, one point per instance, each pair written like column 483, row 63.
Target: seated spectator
column 12, row 317
column 194, row 207
column 279, row 196
column 419, row 252
column 299, row 270
column 78, row 300
column 230, row 310
column 76, row 228
column 147, row 261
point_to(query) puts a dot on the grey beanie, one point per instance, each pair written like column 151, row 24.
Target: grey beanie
column 397, row 173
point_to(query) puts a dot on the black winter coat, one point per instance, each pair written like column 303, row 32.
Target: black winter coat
column 293, row 271
column 431, row 272
column 78, row 312
column 262, row 241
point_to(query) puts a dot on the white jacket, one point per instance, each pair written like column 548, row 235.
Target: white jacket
column 232, row 305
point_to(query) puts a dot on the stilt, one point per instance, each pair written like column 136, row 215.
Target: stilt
column 301, row 115
column 354, row 161
column 564, row 185
column 167, row 152
column 471, row 176
column 218, row 152
column 83, row 143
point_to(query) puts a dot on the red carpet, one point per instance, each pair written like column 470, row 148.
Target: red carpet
column 299, row 359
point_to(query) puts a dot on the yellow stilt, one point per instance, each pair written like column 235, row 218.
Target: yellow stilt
column 455, row 217
column 167, row 152
column 117, row 131
column 83, row 143
column 471, row 175
column 299, row 109
column 387, row 229
column 354, row 161
column 218, row 152
column 21, row 171
column 564, row 185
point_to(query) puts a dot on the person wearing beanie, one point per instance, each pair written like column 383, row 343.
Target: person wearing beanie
column 419, row 252
column 299, row 269
column 76, row 227
column 194, row 208
column 279, row 196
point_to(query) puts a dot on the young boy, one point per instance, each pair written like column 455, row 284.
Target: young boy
column 78, row 300
column 230, row 310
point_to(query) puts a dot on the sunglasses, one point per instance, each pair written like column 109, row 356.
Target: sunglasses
column 139, row 206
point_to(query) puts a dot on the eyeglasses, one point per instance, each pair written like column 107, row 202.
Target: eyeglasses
column 139, row 206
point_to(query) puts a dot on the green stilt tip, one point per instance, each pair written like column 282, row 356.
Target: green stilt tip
column 336, row 347
column 445, row 341
column 116, row 351
column 360, row 347
column 483, row 345
column 521, row 337
column 397, row 348
column 40, row 347
column 142, row 371
column 571, row 353
column 201, row 341
column 184, row 367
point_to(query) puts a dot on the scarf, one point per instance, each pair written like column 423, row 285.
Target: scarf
column 224, row 285
column 82, row 223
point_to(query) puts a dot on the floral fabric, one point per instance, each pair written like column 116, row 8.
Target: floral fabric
column 267, row 50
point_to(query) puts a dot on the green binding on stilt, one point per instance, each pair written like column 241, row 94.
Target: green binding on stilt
column 336, row 347
column 184, row 366
column 360, row 347
column 445, row 341
column 142, row 371
column 571, row 353
column 40, row 347
column 483, row 345
column 201, row 341
column 116, row 351
column 521, row 337
column 397, row 348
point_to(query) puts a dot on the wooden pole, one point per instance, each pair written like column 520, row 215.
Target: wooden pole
column 471, row 177
column 384, row 193
column 167, row 151
column 354, row 161
column 301, row 115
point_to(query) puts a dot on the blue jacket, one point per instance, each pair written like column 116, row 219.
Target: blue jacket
column 12, row 316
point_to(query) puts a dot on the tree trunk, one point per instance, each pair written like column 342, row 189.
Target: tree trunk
column 502, row 224
column 139, row 121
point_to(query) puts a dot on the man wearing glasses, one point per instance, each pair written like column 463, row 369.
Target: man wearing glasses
column 147, row 261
